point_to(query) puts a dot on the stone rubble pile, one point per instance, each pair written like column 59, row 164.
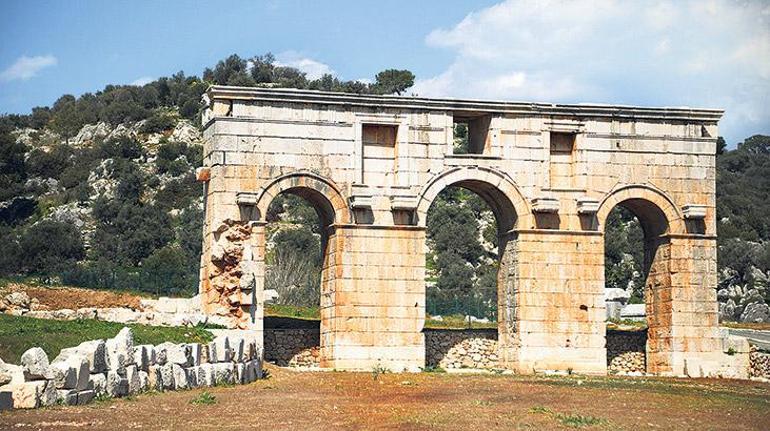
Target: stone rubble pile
column 759, row 363
column 292, row 347
column 461, row 349
column 116, row 368
column 626, row 352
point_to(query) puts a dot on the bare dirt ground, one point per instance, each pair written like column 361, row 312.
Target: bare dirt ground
column 352, row 401
column 59, row 297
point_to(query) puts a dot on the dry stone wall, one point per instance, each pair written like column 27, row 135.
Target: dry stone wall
column 454, row 349
column 760, row 363
column 292, row 347
column 117, row 367
column 626, row 352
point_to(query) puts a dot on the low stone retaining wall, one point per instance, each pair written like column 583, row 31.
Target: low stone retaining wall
column 117, row 368
column 156, row 312
column 626, row 352
column 292, row 347
column 454, row 349
column 759, row 363
column 450, row 349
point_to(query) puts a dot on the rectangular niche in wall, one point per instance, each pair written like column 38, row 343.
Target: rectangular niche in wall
column 471, row 133
column 379, row 153
column 561, row 168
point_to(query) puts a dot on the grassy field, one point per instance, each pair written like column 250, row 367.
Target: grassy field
column 18, row 333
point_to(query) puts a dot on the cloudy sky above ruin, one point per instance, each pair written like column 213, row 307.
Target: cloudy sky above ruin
column 700, row 53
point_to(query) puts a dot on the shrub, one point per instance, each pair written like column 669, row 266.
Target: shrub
column 158, row 122
column 48, row 247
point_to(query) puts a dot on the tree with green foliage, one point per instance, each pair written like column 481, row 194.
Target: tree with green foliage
column 393, row 81
column 48, row 247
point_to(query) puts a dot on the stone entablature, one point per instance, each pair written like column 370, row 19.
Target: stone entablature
column 372, row 165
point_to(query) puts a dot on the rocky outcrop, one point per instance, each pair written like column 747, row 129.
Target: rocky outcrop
column 117, row 368
column 743, row 300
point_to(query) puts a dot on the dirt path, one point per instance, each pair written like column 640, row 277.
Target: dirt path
column 351, row 401
column 59, row 297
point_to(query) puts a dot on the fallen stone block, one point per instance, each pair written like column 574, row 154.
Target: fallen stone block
column 117, row 385
column 181, row 380
column 144, row 381
column 94, row 351
column 120, row 350
column 31, row 395
column 154, row 378
column 240, row 373
column 179, row 354
column 67, row 397
column 132, row 376
column 237, row 348
column 195, row 354
column 219, row 349
column 10, row 373
column 6, row 398
column 35, row 364
column 167, row 377
column 144, row 356
column 63, row 374
column 206, row 375
column 85, row 397
column 224, row 373
column 98, row 383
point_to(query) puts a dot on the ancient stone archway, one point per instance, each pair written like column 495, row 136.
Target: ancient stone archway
column 372, row 165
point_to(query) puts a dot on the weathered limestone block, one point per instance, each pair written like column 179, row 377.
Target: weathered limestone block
column 63, row 375
column 224, row 373
column 170, row 353
column 67, row 397
column 98, row 383
column 120, row 350
column 117, row 385
column 154, row 378
column 6, row 398
column 167, row 377
column 144, row 356
column 85, row 397
column 35, row 363
column 220, row 350
column 181, row 379
column 195, row 353
column 206, row 375
column 94, row 351
column 144, row 381
column 134, row 382
column 31, row 395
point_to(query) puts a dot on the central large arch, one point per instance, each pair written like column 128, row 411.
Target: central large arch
column 511, row 211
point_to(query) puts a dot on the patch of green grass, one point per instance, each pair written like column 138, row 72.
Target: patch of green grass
column 308, row 313
column 570, row 420
column 377, row 370
column 457, row 321
column 578, row 421
column 433, row 369
column 204, row 397
column 540, row 410
column 19, row 333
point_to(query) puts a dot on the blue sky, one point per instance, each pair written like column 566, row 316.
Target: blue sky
column 700, row 53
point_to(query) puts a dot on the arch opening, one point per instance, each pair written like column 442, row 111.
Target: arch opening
column 468, row 225
column 636, row 267
column 298, row 230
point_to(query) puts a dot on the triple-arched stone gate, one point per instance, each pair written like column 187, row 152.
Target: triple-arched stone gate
column 372, row 165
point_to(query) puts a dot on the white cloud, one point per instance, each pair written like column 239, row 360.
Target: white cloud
column 314, row 69
column 25, row 67
column 142, row 81
column 704, row 53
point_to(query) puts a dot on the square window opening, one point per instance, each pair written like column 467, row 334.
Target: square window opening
column 470, row 134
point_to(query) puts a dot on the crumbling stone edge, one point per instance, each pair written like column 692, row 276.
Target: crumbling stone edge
column 117, row 368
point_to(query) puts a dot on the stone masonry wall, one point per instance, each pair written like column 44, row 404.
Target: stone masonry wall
column 759, row 363
column 292, row 347
column 117, row 368
column 462, row 349
column 626, row 352
column 453, row 349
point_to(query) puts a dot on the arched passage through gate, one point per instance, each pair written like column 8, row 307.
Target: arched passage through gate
column 658, row 218
column 301, row 212
column 502, row 198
